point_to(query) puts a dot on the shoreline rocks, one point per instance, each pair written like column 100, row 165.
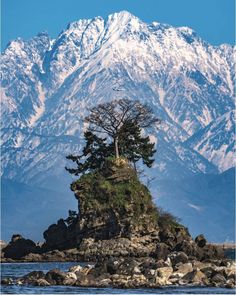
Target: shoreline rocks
column 135, row 273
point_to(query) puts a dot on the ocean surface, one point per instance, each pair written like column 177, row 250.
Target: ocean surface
column 16, row 270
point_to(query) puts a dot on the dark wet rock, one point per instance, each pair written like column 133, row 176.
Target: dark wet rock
column 55, row 277
column 34, row 275
column 200, row 241
column 7, row 281
column 19, row 247
column 40, row 282
column 112, row 266
column 16, row 237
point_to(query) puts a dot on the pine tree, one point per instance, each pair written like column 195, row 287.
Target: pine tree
column 133, row 147
column 109, row 118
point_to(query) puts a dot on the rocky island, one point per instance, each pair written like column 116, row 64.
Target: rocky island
column 129, row 242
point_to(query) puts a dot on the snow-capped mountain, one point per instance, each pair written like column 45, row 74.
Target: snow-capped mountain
column 216, row 142
column 49, row 85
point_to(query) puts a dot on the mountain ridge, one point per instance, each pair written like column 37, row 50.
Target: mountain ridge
column 49, row 85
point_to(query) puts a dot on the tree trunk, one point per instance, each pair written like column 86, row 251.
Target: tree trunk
column 116, row 147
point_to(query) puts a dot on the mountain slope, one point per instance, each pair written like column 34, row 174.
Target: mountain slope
column 206, row 203
column 216, row 142
column 49, row 85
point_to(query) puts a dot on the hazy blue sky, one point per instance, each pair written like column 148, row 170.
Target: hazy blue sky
column 212, row 19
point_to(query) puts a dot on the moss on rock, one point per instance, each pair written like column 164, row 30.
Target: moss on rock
column 116, row 188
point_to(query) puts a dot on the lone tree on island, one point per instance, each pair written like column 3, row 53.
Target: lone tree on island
column 122, row 121
column 109, row 118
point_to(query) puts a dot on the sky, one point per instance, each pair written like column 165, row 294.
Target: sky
column 213, row 20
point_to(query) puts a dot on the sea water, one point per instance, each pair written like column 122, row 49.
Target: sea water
column 15, row 270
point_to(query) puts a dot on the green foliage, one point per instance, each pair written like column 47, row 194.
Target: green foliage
column 166, row 219
column 95, row 190
column 135, row 147
column 93, row 155
column 132, row 147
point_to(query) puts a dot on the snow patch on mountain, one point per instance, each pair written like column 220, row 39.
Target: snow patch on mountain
column 49, row 85
column 39, row 109
column 216, row 142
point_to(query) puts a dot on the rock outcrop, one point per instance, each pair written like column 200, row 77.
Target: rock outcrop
column 117, row 218
column 19, row 247
column 113, row 204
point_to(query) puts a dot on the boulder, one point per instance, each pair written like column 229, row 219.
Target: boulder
column 163, row 275
column 127, row 266
column 55, row 277
column 208, row 270
column 188, row 247
column 182, row 269
column 70, row 279
column 230, row 273
column 230, row 284
column 195, row 276
column 164, row 272
column 167, row 237
column 161, row 251
column 210, row 252
column 138, row 280
column 112, row 266
column 19, row 247
column 7, row 281
column 218, row 280
column 178, row 257
column 200, row 241
column 34, row 275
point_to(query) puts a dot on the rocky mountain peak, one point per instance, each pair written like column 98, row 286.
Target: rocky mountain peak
column 48, row 87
